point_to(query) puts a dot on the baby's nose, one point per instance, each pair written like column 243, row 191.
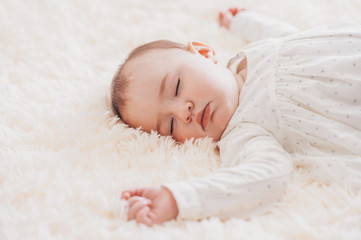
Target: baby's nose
column 187, row 112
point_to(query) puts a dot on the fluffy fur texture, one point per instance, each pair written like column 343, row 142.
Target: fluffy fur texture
column 63, row 158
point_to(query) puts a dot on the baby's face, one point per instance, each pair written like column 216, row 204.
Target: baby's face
column 179, row 93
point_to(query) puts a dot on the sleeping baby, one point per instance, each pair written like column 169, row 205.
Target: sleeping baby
column 288, row 99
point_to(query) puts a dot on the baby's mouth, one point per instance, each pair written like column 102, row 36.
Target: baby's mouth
column 204, row 116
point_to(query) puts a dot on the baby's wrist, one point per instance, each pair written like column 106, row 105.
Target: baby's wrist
column 171, row 200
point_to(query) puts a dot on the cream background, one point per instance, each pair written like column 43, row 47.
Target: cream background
column 64, row 161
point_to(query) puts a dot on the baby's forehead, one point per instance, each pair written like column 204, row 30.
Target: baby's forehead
column 151, row 60
column 159, row 53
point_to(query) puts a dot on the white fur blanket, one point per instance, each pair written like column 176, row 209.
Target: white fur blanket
column 64, row 161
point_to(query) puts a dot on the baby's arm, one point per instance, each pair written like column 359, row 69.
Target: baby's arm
column 252, row 26
column 255, row 175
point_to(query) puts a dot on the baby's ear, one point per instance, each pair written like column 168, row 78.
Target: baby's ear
column 203, row 50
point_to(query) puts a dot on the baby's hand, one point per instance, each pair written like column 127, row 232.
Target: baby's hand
column 225, row 17
column 150, row 205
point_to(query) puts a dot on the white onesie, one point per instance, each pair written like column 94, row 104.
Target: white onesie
column 301, row 104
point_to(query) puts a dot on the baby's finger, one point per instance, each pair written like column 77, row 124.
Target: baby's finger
column 136, row 206
column 154, row 218
column 142, row 216
column 133, row 200
column 125, row 195
column 133, row 192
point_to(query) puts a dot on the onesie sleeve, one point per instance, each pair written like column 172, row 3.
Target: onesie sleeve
column 255, row 173
column 252, row 26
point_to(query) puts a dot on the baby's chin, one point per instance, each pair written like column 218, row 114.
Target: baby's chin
column 218, row 132
column 217, row 137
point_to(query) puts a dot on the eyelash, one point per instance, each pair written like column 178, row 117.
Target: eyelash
column 171, row 126
column 176, row 90
column 176, row 93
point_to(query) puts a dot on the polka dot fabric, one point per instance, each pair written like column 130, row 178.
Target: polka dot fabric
column 305, row 90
